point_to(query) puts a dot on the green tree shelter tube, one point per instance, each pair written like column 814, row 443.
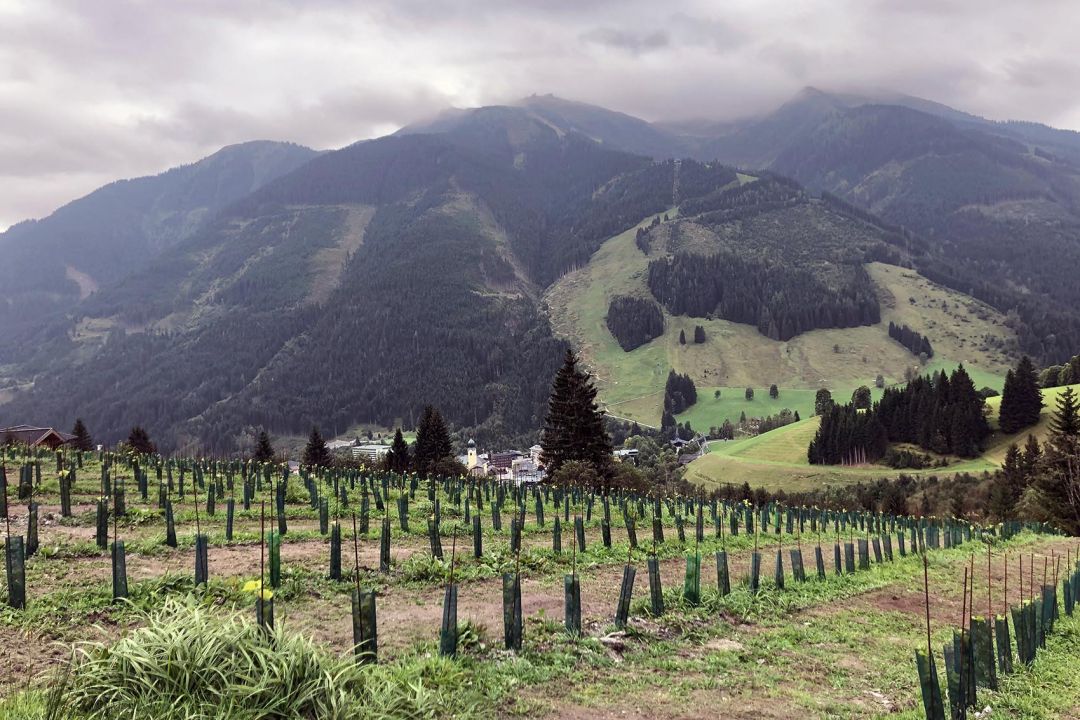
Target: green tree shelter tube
column 512, row 620
column 365, row 627
column 656, row 589
column 930, row 685
column 626, row 591
column 692, row 580
column 448, row 631
column 572, row 604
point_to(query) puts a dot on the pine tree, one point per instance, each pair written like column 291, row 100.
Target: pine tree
column 139, row 441
column 82, row 440
column 1032, row 455
column 315, row 452
column 682, row 337
column 432, row 441
column 264, row 451
column 443, row 447
column 1021, row 400
column 822, row 401
column 1066, row 420
column 424, row 450
column 397, row 459
column 774, row 392
column 574, row 427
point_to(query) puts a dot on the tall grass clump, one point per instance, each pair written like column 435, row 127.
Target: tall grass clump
column 190, row 661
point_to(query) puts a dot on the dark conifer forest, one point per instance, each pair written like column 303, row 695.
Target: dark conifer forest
column 781, row 301
column 679, row 393
column 913, row 341
column 634, row 321
column 939, row 413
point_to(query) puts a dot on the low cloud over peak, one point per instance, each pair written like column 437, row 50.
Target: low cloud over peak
column 97, row 91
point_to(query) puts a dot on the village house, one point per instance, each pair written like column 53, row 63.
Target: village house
column 35, row 436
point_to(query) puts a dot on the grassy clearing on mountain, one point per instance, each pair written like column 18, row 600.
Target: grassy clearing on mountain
column 959, row 326
column 735, row 355
column 578, row 303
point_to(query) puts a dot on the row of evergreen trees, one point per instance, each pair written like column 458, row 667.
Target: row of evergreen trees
column 847, row 436
column 634, row 321
column 781, row 300
column 917, row 343
column 1021, row 399
column 940, row 413
column 679, row 392
column 1042, row 482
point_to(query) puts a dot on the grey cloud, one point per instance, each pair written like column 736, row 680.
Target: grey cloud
column 633, row 42
column 92, row 91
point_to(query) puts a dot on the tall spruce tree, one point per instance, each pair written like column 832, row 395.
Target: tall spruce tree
column 822, row 401
column 1066, row 420
column 423, row 451
column 397, row 459
column 432, row 441
column 264, row 451
column 574, row 428
column 139, row 441
column 316, row 452
column 82, row 440
column 1021, row 400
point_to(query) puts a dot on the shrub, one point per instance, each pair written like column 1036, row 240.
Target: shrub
column 189, row 661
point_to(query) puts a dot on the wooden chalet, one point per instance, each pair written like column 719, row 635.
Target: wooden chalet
column 35, row 436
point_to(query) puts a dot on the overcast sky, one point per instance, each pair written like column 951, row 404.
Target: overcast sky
column 95, row 90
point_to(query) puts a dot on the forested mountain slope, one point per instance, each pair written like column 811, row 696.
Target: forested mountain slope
column 997, row 204
column 272, row 286
column 96, row 240
column 365, row 284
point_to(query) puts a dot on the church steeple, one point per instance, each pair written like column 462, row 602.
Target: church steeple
column 472, row 460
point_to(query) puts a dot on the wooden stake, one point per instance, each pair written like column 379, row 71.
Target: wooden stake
column 262, row 549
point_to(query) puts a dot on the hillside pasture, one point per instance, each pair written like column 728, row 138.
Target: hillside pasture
column 735, row 356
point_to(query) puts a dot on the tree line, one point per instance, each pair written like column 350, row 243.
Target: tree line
column 780, row 300
column 939, row 413
column 915, row 342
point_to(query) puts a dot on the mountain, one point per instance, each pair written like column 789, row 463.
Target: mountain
column 101, row 238
column 359, row 287
column 275, row 287
column 613, row 130
column 996, row 204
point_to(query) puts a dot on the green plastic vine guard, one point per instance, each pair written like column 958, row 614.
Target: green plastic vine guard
column 656, row 590
column 448, row 631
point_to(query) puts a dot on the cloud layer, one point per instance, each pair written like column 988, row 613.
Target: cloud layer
column 95, row 91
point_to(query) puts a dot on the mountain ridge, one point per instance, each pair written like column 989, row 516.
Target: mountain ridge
column 366, row 282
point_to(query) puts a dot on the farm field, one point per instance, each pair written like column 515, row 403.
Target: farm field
column 777, row 460
column 801, row 648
